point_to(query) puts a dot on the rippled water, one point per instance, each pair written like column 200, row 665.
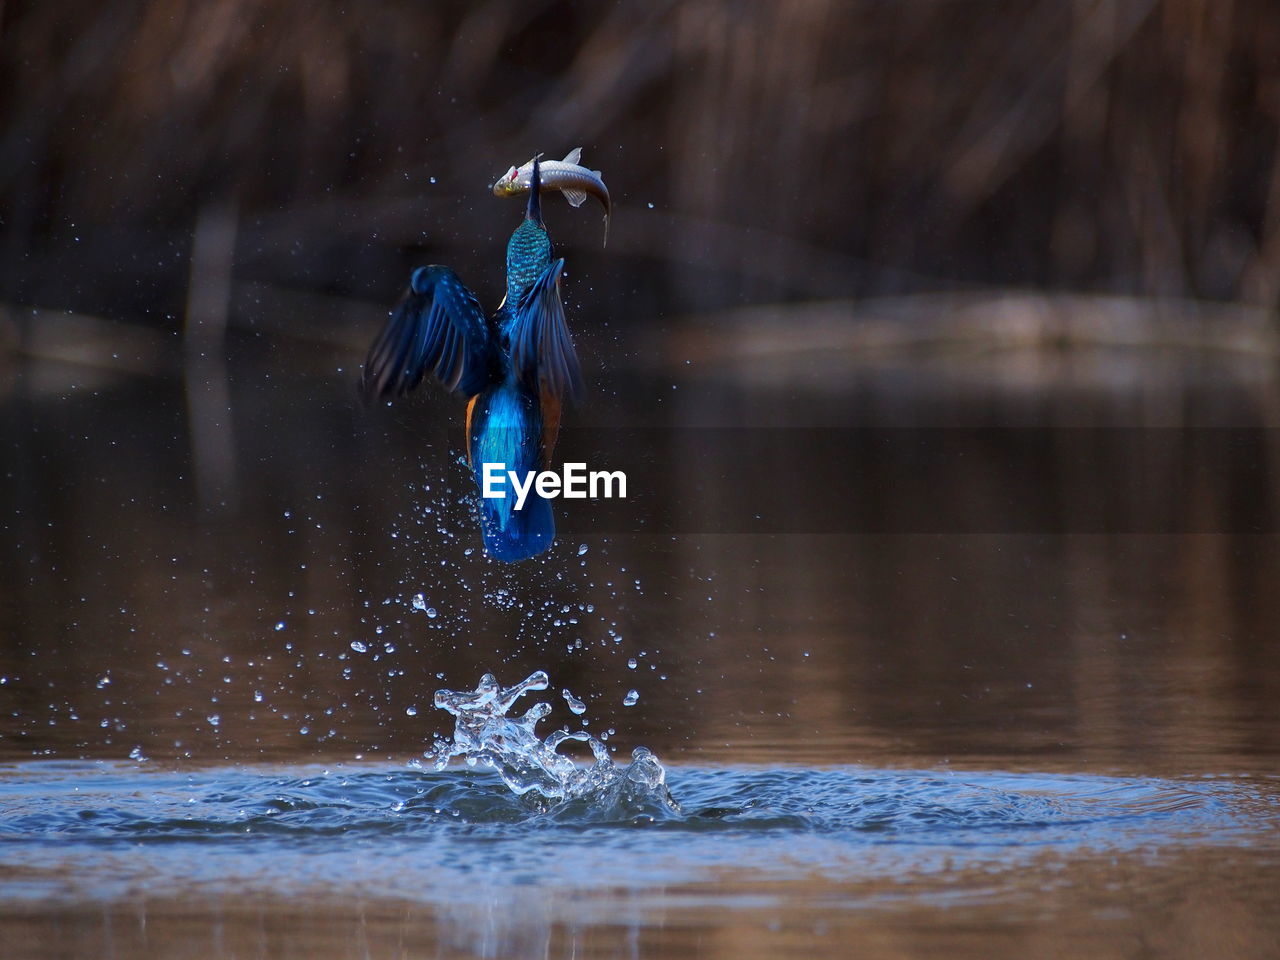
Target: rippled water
column 358, row 860
column 103, row 830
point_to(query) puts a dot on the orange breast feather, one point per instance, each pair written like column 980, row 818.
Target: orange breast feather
column 471, row 405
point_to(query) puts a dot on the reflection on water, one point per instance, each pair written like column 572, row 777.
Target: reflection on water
column 317, row 618
column 301, row 605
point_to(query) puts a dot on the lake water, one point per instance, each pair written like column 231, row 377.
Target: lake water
column 1019, row 699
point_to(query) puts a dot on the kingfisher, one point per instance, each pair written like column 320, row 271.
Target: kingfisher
column 517, row 367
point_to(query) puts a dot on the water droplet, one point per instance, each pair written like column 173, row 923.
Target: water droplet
column 359, row 647
column 651, row 206
column 419, row 602
column 279, row 626
column 631, row 699
column 136, row 754
column 213, row 719
column 576, row 706
column 582, row 548
column 631, row 663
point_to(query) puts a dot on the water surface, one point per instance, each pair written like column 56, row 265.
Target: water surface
column 885, row 742
column 502, row 874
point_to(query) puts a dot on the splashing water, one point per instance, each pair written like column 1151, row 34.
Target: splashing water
column 483, row 733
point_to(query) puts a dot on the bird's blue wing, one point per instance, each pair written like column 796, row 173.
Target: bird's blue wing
column 438, row 327
column 541, row 348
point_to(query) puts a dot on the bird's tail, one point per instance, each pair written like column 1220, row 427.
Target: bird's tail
column 504, row 438
column 511, row 535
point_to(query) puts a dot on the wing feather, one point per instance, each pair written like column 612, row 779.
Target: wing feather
column 541, row 348
column 437, row 328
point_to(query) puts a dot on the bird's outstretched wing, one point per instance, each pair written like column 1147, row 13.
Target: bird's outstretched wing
column 541, row 348
column 438, row 327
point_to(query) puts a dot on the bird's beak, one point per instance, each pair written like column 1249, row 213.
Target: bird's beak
column 534, row 212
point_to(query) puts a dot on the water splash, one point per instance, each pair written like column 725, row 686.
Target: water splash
column 484, row 734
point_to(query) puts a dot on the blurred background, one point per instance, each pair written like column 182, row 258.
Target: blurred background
column 844, row 216
column 781, row 151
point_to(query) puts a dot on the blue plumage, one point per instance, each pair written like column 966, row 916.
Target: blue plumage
column 506, row 428
column 517, row 367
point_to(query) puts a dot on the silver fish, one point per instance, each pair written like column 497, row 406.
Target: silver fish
column 568, row 176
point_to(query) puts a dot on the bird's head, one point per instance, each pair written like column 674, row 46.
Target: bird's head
column 534, row 210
